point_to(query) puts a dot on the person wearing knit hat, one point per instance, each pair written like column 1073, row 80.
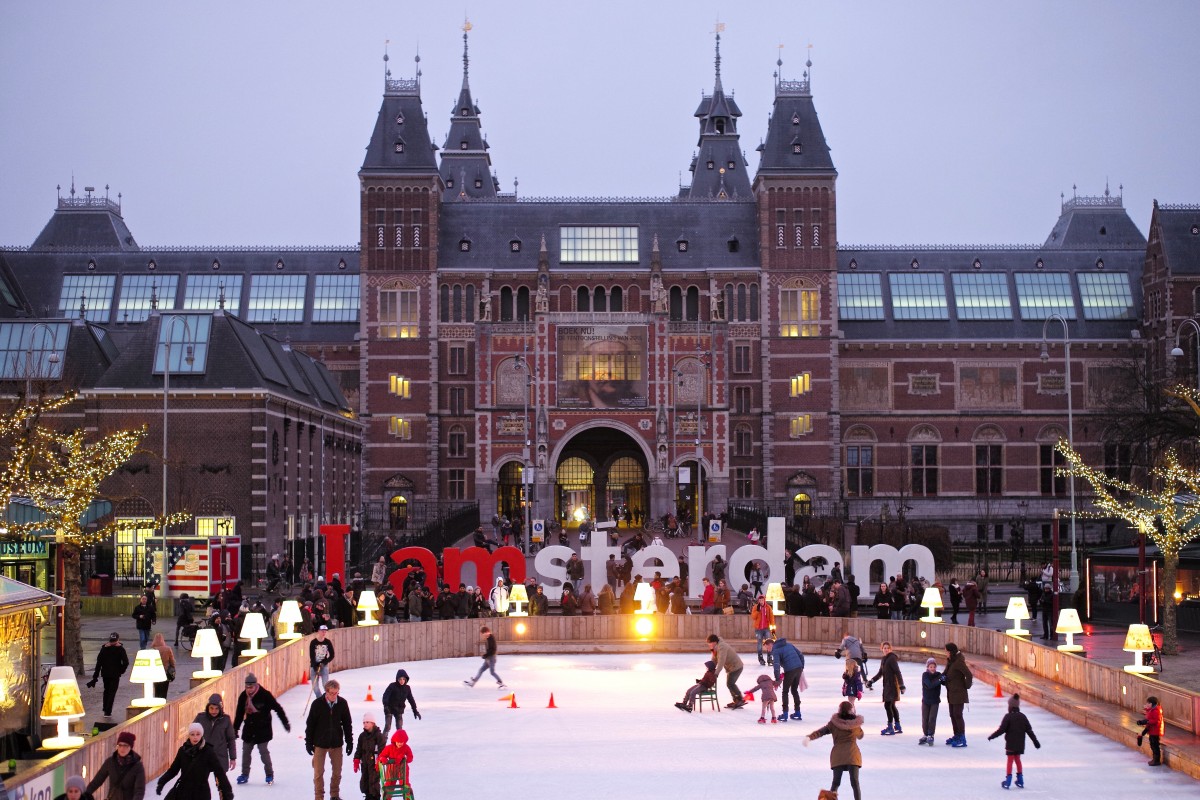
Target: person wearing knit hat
column 366, row 757
column 111, row 663
column 123, row 770
column 931, row 699
column 75, row 789
column 1015, row 727
column 218, row 731
column 254, row 707
column 195, row 760
column 957, row 679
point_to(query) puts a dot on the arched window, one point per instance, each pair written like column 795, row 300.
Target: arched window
column 583, row 299
column 444, row 303
column 754, row 302
column 470, row 303
column 743, row 313
column 801, row 505
column 692, row 308
column 676, row 303
column 743, row 441
column 523, row 303
column 616, row 301
column 506, row 304
column 600, row 299
column 456, row 303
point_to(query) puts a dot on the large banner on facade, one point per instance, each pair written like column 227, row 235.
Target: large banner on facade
column 602, row 366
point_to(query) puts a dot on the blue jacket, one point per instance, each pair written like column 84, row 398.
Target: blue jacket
column 785, row 655
column 931, row 687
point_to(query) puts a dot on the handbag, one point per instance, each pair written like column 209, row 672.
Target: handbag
column 727, row 611
column 171, row 672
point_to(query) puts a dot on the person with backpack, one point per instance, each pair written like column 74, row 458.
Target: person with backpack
column 957, row 679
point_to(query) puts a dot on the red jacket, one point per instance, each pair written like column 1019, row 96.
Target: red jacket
column 1154, row 721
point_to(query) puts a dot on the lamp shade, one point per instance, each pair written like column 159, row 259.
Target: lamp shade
column 62, row 703
column 774, row 592
column 289, row 617
column 932, row 598
column 148, row 670
column 1068, row 623
column 1017, row 611
column 206, row 644
column 518, row 594
column 253, row 627
column 644, row 595
column 367, row 601
column 1138, row 641
column 62, row 695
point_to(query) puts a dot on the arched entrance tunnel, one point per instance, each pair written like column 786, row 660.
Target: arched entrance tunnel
column 600, row 472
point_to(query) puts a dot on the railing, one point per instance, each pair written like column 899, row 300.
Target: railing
column 90, row 201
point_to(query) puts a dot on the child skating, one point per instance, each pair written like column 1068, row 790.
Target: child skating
column 1015, row 727
column 1152, row 726
column 703, row 684
column 370, row 745
column 852, row 682
column 766, row 685
column 931, row 699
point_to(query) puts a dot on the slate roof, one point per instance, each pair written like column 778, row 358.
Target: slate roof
column 1094, row 222
column 465, row 159
column 400, row 141
column 1179, row 231
column 794, row 121
column 490, row 226
column 86, row 222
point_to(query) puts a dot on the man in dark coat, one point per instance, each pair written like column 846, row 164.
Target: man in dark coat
column 143, row 619
column 254, row 707
column 124, row 771
column 958, row 678
column 111, row 663
column 327, row 728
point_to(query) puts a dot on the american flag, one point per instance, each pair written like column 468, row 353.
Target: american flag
column 187, row 566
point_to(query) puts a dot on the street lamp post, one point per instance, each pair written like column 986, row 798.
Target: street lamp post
column 190, row 341
column 1177, row 351
column 530, row 504
column 1070, row 434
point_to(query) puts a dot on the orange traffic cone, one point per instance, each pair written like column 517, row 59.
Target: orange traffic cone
column 514, row 702
column 999, row 693
column 370, row 699
column 552, row 701
column 507, row 697
column 304, row 680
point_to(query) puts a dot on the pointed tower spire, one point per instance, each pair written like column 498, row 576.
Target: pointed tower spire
column 466, row 167
column 719, row 168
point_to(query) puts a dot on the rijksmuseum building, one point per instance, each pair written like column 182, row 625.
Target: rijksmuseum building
column 709, row 348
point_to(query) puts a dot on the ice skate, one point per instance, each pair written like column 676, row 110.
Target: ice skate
column 469, row 682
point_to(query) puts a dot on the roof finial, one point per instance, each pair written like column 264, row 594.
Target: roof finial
column 221, row 296
column 720, row 26
column 466, row 28
column 779, row 64
column 387, row 72
column 154, row 295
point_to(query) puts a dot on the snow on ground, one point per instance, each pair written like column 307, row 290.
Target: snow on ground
column 616, row 734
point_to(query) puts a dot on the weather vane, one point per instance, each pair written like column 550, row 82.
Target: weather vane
column 466, row 24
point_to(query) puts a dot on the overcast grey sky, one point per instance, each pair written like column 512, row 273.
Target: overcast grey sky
column 227, row 123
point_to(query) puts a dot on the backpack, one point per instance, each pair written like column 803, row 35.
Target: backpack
column 969, row 679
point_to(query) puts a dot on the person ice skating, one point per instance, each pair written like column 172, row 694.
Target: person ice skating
column 762, row 619
column 766, row 685
column 218, row 731
column 254, row 707
column 1153, row 726
column 195, row 760
column 705, row 682
column 1015, row 727
column 851, row 647
column 394, row 763
column 852, row 681
column 489, row 659
column 957, row 679
column 846, row 729
column 320, row 654
column 74, row 789
column 893, row 687
column 931, row 698
column 327, row 728
column 786, row 656
column 728, row 660
column 366, row 754
column 124, row 771
column 111, row 663
column 395, row 696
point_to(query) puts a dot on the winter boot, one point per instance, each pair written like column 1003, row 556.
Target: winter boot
column 1020, row 780
column 1007, row 782
column 243, row 779
column 888, row 731
column 959, row 741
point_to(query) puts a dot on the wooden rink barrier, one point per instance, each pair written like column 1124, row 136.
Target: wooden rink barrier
column 1097, row 696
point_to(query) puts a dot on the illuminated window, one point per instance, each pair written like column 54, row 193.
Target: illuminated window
column 799, row 312
column 189, row 343
column 140, row 292
column 1105, row 295
column 95, row 292
column 400, row 386
column 981, row 296
column 32, row 350
column 598, row 244
column 398, row 314
column 801, row 425
column 1041, row 294
column 400, row 427
column 203, row 292
column 801, row 384
column 130, row 547
column 277, row 298
column 215, row 526
column 920, row 295
column 860, row 296
column 335, row 299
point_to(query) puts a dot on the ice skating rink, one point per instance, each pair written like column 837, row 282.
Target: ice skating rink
column 617, row 734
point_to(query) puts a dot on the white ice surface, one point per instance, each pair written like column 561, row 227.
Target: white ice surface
column 616, row 734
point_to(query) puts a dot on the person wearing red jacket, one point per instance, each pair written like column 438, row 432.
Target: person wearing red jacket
column 1154, row 727
column 394, row 761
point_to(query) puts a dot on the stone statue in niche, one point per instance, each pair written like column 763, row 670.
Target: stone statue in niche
column 485, row 301
column 658, row 295
column 541, row 424
column 542, row 300
column 662, row 423
column 662, row 458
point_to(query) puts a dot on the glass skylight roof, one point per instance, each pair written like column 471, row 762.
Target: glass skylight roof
column 138, row 292
column 918, row 295
column 204, row 292
column 586, row 244
column 335, row 299
column 32, row 350
column 981, row 295
column 189, row 339
column 1105, row 295
column 859, row 295
column 1041, row 294
column 277, row 298
column 93, row 291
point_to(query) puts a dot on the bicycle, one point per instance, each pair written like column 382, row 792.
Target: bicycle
column 1154, row 657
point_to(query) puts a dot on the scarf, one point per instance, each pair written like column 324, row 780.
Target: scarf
column 250, row 692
